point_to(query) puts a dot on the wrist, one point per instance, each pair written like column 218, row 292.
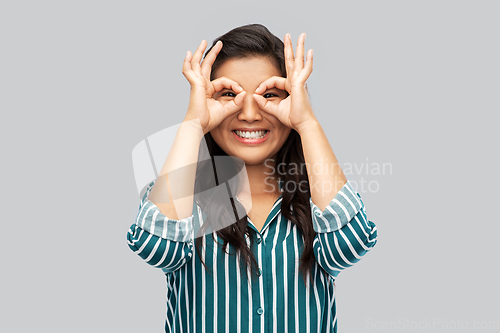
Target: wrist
column 194, row 122
column 193, row 126
column 307, row 126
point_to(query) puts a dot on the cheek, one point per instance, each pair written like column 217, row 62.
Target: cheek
column 283, row 136
column 283, row 140
column 284, row 132
column 218, row 137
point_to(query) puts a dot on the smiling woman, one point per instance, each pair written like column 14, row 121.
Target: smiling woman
column 250, row 134
column 270, row 267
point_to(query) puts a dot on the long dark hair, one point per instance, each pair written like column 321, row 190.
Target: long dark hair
column 246, row 41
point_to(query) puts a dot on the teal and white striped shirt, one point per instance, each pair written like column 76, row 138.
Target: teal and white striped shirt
column 223, row 300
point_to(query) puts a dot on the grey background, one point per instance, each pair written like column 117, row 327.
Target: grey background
column 410, row 83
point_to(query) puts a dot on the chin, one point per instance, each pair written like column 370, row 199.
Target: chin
column 251, row 160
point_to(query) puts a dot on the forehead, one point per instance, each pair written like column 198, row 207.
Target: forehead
column 249, row 70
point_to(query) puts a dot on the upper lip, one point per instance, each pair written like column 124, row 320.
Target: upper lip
column 246, row 129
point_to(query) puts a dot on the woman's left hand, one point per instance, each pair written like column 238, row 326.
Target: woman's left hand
column 295, row 111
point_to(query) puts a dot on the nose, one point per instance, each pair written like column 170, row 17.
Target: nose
column 250, row 111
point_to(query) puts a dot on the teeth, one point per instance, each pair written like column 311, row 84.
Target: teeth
column 251, row 135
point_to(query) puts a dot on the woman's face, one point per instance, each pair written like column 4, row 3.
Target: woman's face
column 255, row 146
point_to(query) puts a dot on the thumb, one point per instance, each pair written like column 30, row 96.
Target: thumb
column 236, row 104
column 264, row 104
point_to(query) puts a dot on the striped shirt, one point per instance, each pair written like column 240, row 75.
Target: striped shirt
column 276, row 300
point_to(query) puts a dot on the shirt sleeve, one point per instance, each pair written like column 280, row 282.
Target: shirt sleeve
column 161, row 242
column 344, row 234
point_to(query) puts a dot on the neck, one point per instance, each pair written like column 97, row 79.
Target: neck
column 263, row 179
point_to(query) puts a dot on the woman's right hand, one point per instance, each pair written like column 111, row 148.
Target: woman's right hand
column 202, row 105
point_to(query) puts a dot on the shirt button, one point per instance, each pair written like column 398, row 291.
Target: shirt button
column 259, row 240
column 260, row 311
column 259, row 273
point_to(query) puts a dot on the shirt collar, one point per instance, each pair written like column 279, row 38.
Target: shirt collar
column 275, row 210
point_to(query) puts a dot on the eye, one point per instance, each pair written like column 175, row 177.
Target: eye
column 269, row 95
column 228, row 94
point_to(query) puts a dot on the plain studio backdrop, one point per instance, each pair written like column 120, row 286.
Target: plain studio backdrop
column 407, row 92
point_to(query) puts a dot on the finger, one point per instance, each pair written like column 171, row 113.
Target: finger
column 235, row 104
column 206, row 65
column 308, row 68
column 299, row 55
column 272, row 82
column 266, row 105
column 195, row 62
column 186, row 67
column 288, row 55
column 223, row 82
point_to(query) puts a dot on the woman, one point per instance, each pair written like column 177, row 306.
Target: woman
column 262, row 259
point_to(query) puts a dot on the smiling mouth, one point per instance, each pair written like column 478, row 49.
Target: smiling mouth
column 251, row 135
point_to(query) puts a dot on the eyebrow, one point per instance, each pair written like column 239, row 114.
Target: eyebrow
column 276, row 90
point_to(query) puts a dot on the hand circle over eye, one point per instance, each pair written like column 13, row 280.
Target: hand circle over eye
column 202, row 105
column 295, row 110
